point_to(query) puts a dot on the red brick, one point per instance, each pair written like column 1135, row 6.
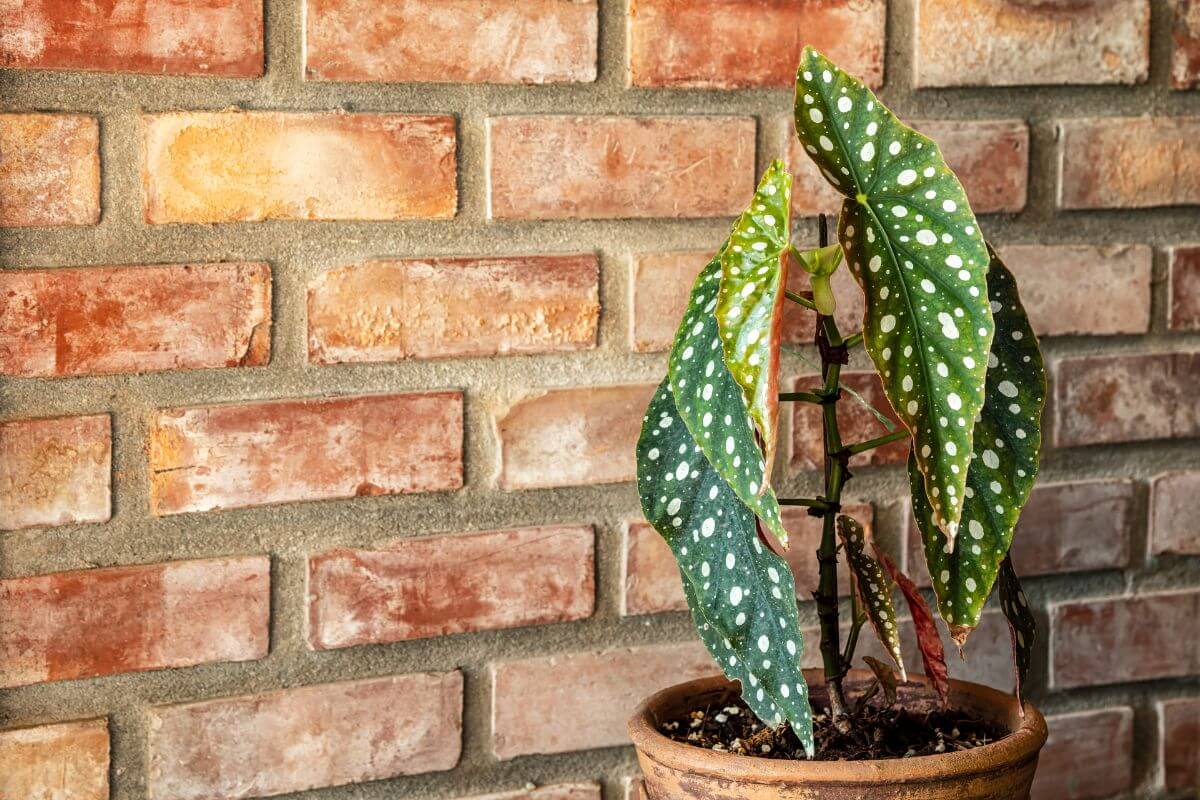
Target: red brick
column 717, row 44
column 94, row 622
column 1088, row 756
column 1185, row 55
column 1105, row 399
column 234, row 456
column 1184, row 288
column 106, row 320
column 1021, row 43
column 1134, row 162
column 67, row 761
column 155, row 37
column 1124, row 639
column 1174, row 524
column 557, row 791
column 1068, row 289
column 571, row 437
column 388, row 310
column 451, row 41
column 990, row 157
column 235, row 166
column 55, row 471
column 855, row 422
column 659, row 285
column 438, row 585
column 50, row 173
column 312, row 736
column 549, row 167
column 1179, row 732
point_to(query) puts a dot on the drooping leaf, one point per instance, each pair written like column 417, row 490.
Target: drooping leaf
column 1005, row 457
column 750, row 302
column 933, row 656
column 741, row 594
column 874, row 589
column 914, row 245
column 712, row 404
column 1021, row 624
column 886, row 677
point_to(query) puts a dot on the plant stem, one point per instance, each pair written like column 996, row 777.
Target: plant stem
column 810, row 502
column 853, row 340
column 804, row 301
column 880, row 441
column 801, row 397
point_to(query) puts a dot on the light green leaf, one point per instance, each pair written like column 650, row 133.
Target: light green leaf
column 1004, row 463
column 713, row 405
column 915, row 247
column 742, row 597
column 1021, row 623
column 750, row 302
column 873, row 587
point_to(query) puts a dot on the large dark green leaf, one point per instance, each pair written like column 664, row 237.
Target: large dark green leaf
column 915, row 247
column 742, row 597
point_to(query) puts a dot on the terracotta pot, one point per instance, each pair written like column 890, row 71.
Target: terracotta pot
column 1002, row 770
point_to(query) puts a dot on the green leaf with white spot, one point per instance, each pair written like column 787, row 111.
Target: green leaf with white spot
column 713, row 405
column 1021, row 623
column 914, row 245
column 750, row 302
column 741, row 594
column 873, row 587
column 1004, row 463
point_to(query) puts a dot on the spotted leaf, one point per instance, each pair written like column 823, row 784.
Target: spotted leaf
column 873, row 587
column 933, row 656
column 914, row 245
column 1006, row 452
column 1021, row 623
column 741, row 594
column 713, row 405
column 750, row 302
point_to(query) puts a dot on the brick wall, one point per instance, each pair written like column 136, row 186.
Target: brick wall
column 321, row 377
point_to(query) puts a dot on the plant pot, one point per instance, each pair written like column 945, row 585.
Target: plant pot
column 1002, row 770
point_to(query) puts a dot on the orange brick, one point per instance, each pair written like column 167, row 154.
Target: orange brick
column 1174, row 526
column 155, row 37
column 717, row 44
column 234, row 456
column 1018, row 43
column 1179, row 730
column 1088, row 756
column 857, row 424
column 105, row 320
column 549, row 167
column 306, row 738
column 66, row 761
column 94, row 622
column 453, row 307
column 659, row 285
column 438, row 585
column 55, row 471
column 451, row 41
column 1184, row 289
column 235, row 166
column 1133, row 162
column 1185, row 53
column 50, row 173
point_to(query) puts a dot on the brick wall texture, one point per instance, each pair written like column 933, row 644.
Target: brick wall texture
column 326, row 327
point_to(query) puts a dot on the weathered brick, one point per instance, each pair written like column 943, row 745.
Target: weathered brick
column 1185, row 54
column 1174, row 524
column 50, row 173
column 552, row 167
column 1184, row 288
column 155, row 37
column 1132, row 162
column 66, row 761
column 1088, row 756
column 455, row 41
column 105, row 320
column 1104, row 399
column 556, row 791
column 305, row 738
column 438, row 585
column 571, row 437
column 716, row 44
column 387, row 310
column 1020, row 43
column 234, row 456
column 659, row 287
column 1068, row 289
column 855, row 422
column 94, row 622
column 236, row 166
column 1179, row 731
column 1124, row 639
column 55, row 471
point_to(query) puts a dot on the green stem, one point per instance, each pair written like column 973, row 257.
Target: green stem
column 810, row 502
column 800, row 397
column 804, row 301
column 853, row 340
column 880, row 441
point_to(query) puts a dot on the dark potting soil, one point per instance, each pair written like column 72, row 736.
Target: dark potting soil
column 876, row 732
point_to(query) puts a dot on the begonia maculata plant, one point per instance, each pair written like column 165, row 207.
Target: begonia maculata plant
column 960, row 366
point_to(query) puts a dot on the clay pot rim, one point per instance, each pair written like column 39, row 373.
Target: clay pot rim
column 1019, row 746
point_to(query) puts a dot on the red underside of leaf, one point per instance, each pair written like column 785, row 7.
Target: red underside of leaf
column 928, row 640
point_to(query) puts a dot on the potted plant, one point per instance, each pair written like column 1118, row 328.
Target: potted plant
column 960, row 365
